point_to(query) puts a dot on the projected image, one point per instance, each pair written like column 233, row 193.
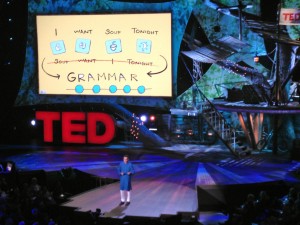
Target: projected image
column 105, row 54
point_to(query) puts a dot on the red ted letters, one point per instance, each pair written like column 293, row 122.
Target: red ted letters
column 78, row 127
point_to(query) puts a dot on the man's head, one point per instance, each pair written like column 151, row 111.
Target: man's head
column 125, row 158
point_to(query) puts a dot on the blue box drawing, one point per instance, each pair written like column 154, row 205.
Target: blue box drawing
column 143, row 46
column 57, row 47
column 83, row 45
column 113, row 46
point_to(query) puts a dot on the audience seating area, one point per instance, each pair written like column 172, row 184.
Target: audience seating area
column 29, row 199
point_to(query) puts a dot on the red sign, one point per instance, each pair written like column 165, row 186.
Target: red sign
column 78, row 127
column 289, row 16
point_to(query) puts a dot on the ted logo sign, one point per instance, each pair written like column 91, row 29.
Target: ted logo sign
column 78, row 127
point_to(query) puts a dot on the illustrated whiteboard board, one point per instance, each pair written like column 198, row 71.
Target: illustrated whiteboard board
column 110, row 55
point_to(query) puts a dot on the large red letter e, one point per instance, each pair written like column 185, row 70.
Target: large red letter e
column 73, row 132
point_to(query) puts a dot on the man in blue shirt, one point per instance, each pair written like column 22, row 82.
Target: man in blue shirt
column 125, row 171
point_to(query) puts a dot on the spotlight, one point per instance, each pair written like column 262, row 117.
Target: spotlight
column 143, row 118
column 211, row 137
column 9, row 167
column 190, row 132
column 152, row 118
column 256, row 58
column 33, row 122
column 210, row 133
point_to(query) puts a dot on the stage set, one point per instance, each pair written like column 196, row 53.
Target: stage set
column 202, row 95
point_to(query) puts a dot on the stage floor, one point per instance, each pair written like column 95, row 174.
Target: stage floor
column 166, row 179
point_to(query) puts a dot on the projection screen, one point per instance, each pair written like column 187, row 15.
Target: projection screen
column 105, row 55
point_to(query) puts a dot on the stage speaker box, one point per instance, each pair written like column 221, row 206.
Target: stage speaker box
column 295, row 152
column 235, row 95
column 231, row 196
column 26, row 177
column 254, row 94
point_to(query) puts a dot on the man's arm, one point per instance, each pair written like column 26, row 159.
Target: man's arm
column 120, row 170
column 131, row 169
